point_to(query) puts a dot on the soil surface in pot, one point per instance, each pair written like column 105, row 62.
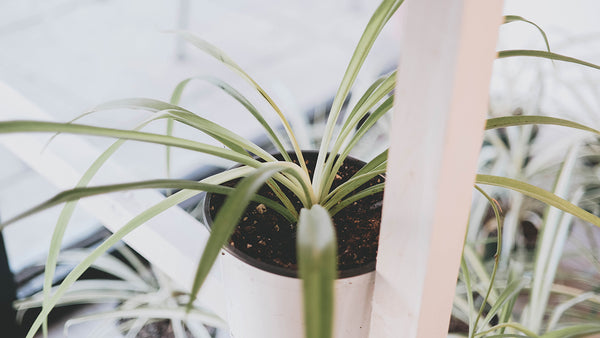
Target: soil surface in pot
column 268, row 237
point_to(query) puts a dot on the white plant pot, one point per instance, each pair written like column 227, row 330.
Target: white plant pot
column 265, row 301
column 268, row 304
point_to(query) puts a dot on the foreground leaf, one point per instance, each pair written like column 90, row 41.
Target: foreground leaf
column 317, row 250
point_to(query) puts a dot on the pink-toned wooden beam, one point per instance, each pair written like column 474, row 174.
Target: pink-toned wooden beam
column 448, row 47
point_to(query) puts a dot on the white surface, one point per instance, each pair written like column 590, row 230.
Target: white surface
column 432, row 162
column 265, row 305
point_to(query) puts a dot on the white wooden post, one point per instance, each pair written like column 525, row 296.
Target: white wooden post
column 441, row 100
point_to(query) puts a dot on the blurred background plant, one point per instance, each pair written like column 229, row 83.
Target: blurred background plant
column 530, row 269
column 142, row 301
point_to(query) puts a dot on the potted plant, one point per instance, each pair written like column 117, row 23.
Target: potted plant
column 285, row 179
column 303, row 199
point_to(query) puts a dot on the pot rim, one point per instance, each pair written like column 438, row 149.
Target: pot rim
column 278, row 270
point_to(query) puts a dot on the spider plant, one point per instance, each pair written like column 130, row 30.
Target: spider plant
column 316, row 236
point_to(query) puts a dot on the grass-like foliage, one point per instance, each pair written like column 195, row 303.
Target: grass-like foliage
column 316, row 236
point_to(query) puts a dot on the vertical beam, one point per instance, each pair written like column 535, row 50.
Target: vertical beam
column 448, row 48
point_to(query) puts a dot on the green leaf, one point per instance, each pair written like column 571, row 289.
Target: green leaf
column 378, row 90
column 515, row 326
column 514, row 18
column 512, row 291
column 150, row 312
column 38, row 126
column 215, row 52
column 218, row 54
column 349, row 186
column 71, row 121
column 466, row 275
column 511, row 121
column 332, row 164
column 228, row 89
column 364, row 128
column 545, row 55
column 382, row 14
column 81, row 192
column 507, row 312
column 539, row 194
column 69, row 208
column 507, row 335
column 107, row 264
column 549, row 244
column 317, row 252
column 582, row 330
column 495, row 207
column 374, row 164
column 478, row 269
column 230, row 139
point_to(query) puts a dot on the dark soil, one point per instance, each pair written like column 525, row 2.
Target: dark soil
column 267, row 236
